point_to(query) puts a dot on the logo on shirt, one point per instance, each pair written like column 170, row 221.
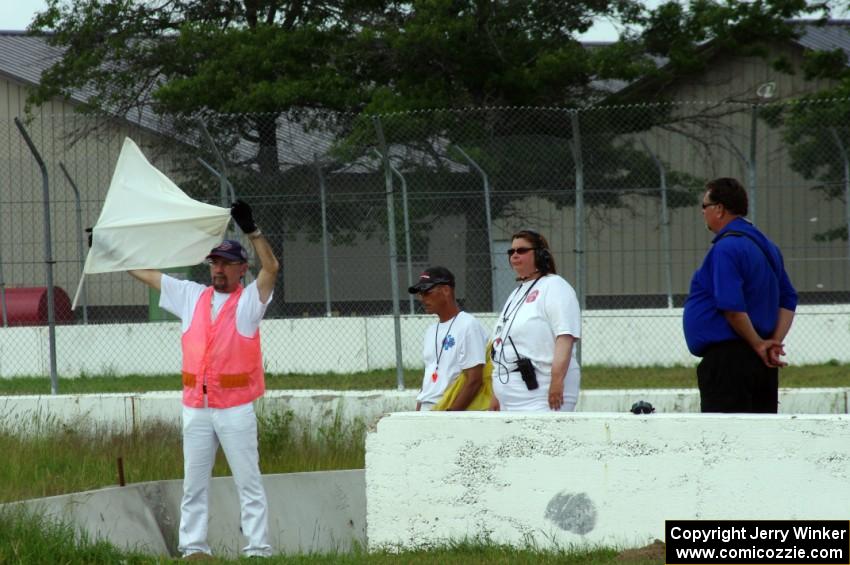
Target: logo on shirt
column 532, row 296
column 448, row 342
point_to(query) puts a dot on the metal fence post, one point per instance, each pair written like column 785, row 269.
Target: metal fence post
column 325, row 261
column 80, row 236
column 406, row 215
column 488, row 218
column 48, row 258
column 407, row 249
column 579, row 209
column 388, row 179
column 665, row 225
column 225, row 182
column 222, row 177
column 751, row 163
column 3, row 297
column 579, row 218
column 840, row 144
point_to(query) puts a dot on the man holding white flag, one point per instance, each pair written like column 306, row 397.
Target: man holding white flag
column 222, row 376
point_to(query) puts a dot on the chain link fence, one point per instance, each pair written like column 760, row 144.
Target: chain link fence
column 616, row 190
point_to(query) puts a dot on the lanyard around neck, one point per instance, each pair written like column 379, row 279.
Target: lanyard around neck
column 438, row 350
column 508, row 311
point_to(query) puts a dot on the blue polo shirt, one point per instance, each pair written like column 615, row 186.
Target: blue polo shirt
column 736, row 276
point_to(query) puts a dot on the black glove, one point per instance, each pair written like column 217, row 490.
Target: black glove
column 242, row 215
column 89, row 231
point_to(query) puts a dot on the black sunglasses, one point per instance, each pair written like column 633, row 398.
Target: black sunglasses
column 429, row 290
column 519, row 250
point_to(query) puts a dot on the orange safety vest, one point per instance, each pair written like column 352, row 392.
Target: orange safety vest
column 217, row 356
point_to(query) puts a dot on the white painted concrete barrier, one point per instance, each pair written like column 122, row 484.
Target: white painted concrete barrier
column 344, row 345
column 317, row 408
column 595, row 479
column 308, row 512
column 124, row 413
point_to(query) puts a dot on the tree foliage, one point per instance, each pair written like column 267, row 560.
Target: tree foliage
column 818, row 143
column 304, row 57
column 686, row 38
column 814, row 131
column 245, row 64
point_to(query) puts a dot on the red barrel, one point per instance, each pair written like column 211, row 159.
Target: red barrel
column 27, row 306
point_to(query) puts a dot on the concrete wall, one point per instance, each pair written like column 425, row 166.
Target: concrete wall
column 588, row 479
column 123, row 413
column 308, row 512
column 649, row 337
column 548, row 479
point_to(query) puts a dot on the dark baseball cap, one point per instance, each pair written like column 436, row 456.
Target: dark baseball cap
column 431, row 277
column 231, row 250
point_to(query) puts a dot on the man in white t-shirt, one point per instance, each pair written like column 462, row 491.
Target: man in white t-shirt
column 222, row 376
column 455, row 343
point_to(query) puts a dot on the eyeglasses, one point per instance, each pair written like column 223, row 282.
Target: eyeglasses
column 519, row 251
column 217, row 261
column 428, row 291
column 706, row 205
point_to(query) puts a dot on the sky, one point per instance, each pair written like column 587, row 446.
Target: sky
column 17, row 14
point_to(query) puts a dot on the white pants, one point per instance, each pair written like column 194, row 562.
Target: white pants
column 236, row 429
column 514, row 395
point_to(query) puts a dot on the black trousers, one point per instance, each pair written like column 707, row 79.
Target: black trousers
column 732, row 378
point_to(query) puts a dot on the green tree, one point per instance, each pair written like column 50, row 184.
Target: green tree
column 458, row 54
column 186, row 58
column 815, row 131
column 684, row 35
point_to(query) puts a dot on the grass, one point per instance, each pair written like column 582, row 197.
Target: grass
column 831, row 374
column 44, row 458
column 27, row 538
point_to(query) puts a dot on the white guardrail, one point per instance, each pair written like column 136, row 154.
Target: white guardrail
column 315, row 408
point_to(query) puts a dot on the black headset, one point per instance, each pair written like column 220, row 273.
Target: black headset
column 542, row 256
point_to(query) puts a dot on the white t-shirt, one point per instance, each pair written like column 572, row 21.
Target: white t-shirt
column 181, row 297
column 458, row 344
column 533, row 316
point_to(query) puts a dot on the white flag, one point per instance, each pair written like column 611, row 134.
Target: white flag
column 147, row 222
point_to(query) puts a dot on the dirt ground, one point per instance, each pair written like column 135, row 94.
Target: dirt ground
column 656, row 551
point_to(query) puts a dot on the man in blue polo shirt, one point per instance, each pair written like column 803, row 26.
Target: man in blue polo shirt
column 739, row 309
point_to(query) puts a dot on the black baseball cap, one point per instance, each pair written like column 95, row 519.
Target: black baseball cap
column 231, row 250
column 432, row 277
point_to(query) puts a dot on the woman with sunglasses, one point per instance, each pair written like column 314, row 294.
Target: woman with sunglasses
column 534, row 365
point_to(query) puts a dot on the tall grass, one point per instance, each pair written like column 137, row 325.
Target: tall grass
column 831, row 374
column 45, row 458
column 27, row 538
column 288, row 443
